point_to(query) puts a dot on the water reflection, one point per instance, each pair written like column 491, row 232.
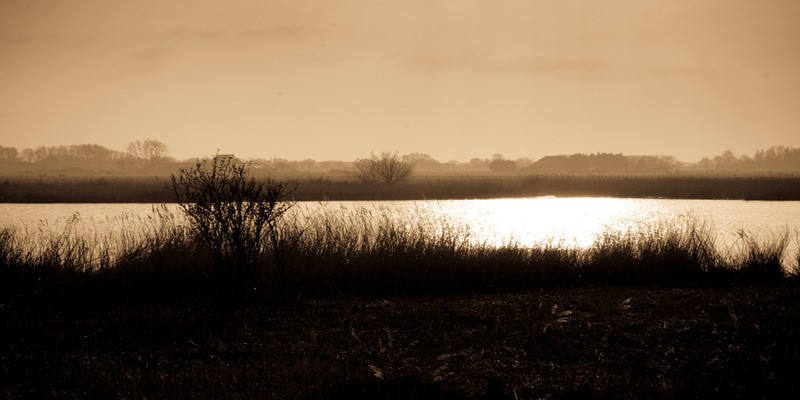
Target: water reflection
column 567, row 221
column 580, row 222
column 576, row 222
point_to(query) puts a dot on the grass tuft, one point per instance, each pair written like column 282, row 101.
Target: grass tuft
column 762, row 260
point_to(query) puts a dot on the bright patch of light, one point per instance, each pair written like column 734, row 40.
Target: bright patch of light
column 574, row 222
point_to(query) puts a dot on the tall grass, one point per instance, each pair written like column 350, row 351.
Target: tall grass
column 145, row 255
column 122, row 189
column 762, row 259
column 376, row 251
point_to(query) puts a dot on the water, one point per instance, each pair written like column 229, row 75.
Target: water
column 573, row 222
column 579, row 221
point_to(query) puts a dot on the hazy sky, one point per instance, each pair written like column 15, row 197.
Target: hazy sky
column 456, row 79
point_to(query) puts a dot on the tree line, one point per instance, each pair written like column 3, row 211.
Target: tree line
column 392, row 167
column 775, row 158
column 138, row 153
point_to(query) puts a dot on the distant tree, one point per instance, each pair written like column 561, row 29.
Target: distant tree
column 422, row 161
column 777, row 158
column 726, row 160
column 745, row 161
column 136, row 150
column 478, row 163
column 89, row 152
column 148, row 149
column 652, row 164
column 705, row 163
column 608, row 162
column 9, row 153
column 387, row 168
column 78, row 155
column 307, row 164
column 28, row 155
column 500, row 165
column 416, row 158
column 670, row 161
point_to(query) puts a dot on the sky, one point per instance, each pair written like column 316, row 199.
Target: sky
column 456, row 79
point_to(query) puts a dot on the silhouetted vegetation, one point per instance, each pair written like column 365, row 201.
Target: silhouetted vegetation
column 366, row 251
column 775, row 158
column 149, row 156
column 149, row 150
column 386, row 168
column 55, row 189
column 156, row 190
column 663, row 314
column 502, row 166
column 236, row 218
column 143, row 157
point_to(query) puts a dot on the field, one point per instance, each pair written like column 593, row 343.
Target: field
column 575, row 342
column 77, row 189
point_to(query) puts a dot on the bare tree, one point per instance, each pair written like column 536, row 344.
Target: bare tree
column 90, row 152
column 155, row 150
column 136, row 150
column 9, row 153
column 236, row 217
column 149, row 149
column 387, row 168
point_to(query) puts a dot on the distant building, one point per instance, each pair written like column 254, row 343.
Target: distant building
column 600, row 162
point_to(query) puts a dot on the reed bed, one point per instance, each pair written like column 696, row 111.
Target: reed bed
column 378, row 251
column 125, row 189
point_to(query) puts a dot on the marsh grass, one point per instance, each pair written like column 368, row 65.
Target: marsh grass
column 382, row 251
column 375, row 251
column 763, row 260
column 661, row 253
column 140, row 257
column 124, row 189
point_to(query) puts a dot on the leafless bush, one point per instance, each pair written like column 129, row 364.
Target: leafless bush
column 235, row 216
column 387, row 168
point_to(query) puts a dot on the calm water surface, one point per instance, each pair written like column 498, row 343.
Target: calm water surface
column 566, row 221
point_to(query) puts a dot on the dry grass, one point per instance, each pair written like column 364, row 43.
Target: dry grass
column 378, row 251
column 54, row 189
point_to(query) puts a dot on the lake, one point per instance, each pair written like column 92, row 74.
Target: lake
column 575, row 222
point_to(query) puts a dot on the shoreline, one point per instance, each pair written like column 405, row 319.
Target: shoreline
column 111, row 189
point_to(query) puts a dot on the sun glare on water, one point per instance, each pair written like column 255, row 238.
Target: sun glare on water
column 574, row 222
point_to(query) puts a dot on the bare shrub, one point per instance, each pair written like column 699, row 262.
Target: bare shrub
column 235, row 217
column 387, row 168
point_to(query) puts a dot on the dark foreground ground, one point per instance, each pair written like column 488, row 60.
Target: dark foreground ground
column 582, row 342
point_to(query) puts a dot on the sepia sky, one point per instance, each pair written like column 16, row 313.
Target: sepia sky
column 336, row 79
